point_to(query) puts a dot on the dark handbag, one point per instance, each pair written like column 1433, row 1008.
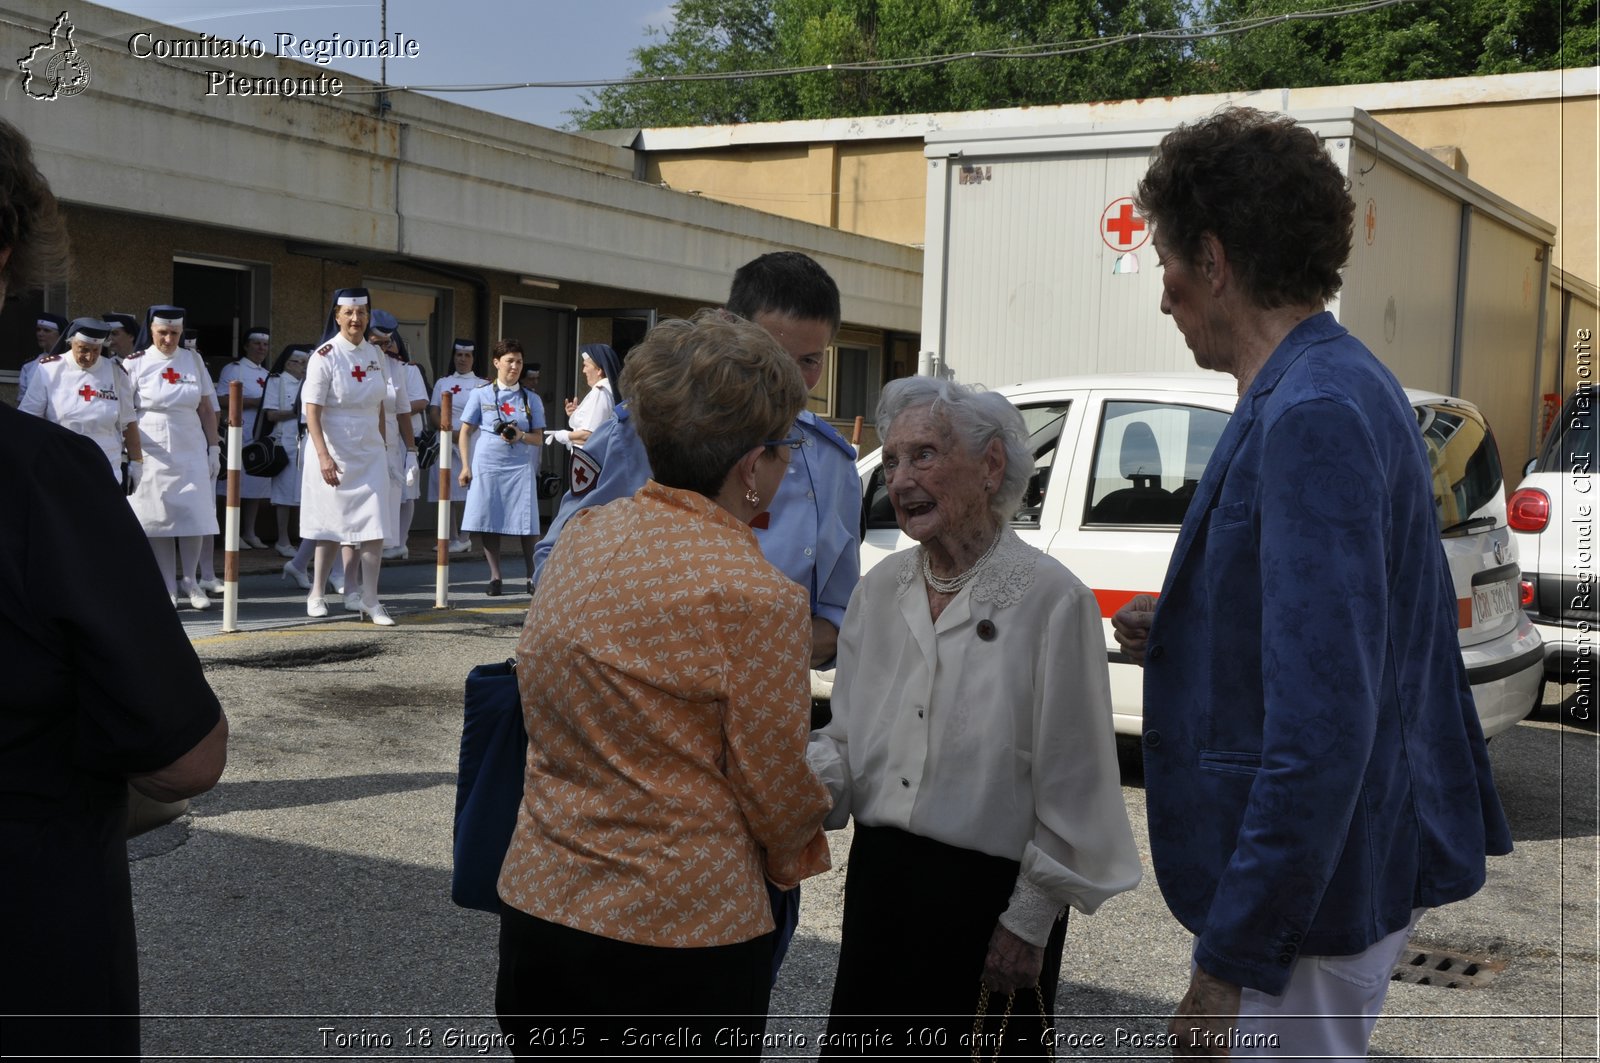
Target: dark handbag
column 427, row 447
column 550, row 485
column 489, row 783
column 262, row 456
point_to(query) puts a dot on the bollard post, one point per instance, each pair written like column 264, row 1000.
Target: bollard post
column 230, row 537
column 441, row 570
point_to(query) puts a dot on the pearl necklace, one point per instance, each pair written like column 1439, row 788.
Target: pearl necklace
column 961, row 579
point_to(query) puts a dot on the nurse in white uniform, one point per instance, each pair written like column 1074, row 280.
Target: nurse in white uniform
column 462, row 383
column 47, row 330
column 280, row 405
column 174, row 501
column 345, row 481
column 384, row 334
column 80, row 390
column 250, row 370
column 600, row 366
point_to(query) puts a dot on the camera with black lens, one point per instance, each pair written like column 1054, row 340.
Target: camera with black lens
column 507, row 431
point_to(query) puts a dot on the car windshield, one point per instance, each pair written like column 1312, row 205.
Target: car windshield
column 1466, row 466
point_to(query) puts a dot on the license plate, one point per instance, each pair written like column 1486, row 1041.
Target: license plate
column 1492, row 602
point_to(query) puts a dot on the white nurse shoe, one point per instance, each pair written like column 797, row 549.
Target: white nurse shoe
column 197, row 597
column 379, row 615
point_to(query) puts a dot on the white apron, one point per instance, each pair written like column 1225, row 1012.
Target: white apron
column 348, row 382
column 280, row 395
column 395, row 400
column 460, row 386
column 253, row 384
column 175, row 497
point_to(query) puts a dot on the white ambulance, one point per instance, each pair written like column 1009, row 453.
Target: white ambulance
column 1118, row 457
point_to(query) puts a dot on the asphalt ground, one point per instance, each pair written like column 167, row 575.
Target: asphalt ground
column 301, row 909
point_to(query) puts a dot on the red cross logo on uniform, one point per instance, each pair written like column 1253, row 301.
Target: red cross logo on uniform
column 359, row 373
column 87, row 392
column 455, row 389
column 261, row 381
column 1127, row 230
column 170, row 375
column 505, row 408
column 585, row 472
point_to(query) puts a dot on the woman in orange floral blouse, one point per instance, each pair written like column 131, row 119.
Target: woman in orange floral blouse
column 664, row 682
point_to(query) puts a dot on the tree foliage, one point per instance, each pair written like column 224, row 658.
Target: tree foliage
column 1410, row 41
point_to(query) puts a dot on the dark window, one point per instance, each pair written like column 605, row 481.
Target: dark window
column 1465, row 462
column 217, row 303
column 1148, row 461
column 1044, row 432
column 1570, row 445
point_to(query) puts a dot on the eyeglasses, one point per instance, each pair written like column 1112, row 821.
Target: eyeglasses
column 794, row 443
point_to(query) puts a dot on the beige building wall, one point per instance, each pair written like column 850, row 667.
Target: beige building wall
column 795, row 181
column 1531, row 138
column 1539, row 154
column 883, row 191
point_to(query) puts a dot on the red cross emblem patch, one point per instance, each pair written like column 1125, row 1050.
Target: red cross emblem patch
column 170, row 375
column 506, row 408
column 585, row 472
column 86, row 392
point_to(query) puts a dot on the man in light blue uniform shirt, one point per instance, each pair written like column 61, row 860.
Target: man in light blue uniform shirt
column 814, row 534
column 813, row 529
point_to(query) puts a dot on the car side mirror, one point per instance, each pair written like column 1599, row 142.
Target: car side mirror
column 1528, row 468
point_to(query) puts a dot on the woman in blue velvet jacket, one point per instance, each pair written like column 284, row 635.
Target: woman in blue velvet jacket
column 1315, row 773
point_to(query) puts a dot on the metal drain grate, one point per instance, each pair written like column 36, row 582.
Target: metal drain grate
column 1447, row 970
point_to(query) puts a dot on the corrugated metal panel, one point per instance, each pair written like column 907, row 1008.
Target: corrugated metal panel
column 1032, row 292
column 1499, row 332
column 1399, row 288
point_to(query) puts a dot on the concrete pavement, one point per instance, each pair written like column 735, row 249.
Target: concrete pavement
column 302, row 909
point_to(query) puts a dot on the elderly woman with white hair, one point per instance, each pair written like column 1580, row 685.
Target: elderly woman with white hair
column 971, row 741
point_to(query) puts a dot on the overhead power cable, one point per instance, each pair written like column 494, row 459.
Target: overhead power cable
column 1025, row 51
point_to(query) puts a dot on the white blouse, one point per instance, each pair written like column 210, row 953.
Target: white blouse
column 989, row 729
column 281, row 392
column 597, row 407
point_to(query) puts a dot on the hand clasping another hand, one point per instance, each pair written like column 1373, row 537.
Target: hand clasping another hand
column 1131, row 626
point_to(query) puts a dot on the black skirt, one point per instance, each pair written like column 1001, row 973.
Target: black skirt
column 562, row 992
column 918, row 916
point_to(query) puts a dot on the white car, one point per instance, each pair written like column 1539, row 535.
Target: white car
column 1119, row 456
column 1552, row 517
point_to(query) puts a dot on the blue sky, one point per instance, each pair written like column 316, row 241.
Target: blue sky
column 461, row 41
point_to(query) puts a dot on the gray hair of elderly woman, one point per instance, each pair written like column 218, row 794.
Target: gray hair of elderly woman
column 703, row 392
column 974, row 416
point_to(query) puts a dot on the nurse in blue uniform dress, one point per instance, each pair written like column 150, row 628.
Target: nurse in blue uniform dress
column 345, row 482
column 508, row 421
